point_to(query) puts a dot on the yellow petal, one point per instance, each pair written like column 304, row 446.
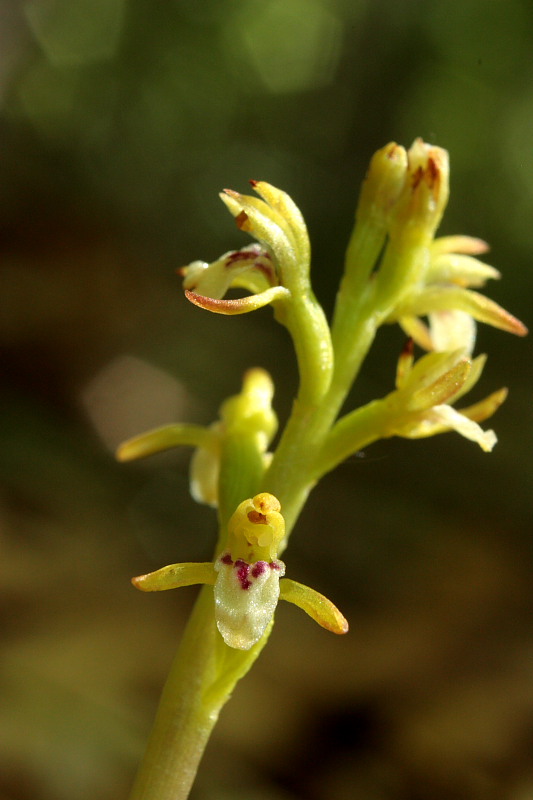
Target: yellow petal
column 487, row 407
column 315, row 604
column 241, row 305
column 461, row 270
column 159, row 439
column 444, row 418
column 176, row 575
column 477, row 305
column 469, row 245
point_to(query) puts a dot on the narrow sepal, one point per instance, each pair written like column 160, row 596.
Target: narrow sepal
column 440, row 419
column 469, row 245
column 240, row 305
column 315, row 604
column 176, row 575
column 429, row 369
column 477, row 305
column 164, row 438
column 461, row 270
column 478, row 412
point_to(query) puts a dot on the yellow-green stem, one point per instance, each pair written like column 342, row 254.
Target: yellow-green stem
column 201, row 679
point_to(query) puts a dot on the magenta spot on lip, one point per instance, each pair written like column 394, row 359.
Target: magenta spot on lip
column 274, row 565
column 226, row 559
column 243, row 570
column 259, row 568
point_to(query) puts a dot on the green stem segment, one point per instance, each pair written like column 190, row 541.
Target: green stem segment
column 201, row 679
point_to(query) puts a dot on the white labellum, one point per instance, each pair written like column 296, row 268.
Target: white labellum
column 246, row 596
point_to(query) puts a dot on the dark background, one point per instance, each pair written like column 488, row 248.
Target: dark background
column 120, row 122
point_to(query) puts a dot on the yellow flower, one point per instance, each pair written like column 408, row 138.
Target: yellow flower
column 421, row 405
column 248, row 577
column 247, row 415
column 269, row 270
column 275, row 271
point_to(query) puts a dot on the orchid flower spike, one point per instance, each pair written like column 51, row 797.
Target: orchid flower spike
column 248, row 577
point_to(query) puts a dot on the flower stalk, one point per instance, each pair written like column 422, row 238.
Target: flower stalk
column 396, row 271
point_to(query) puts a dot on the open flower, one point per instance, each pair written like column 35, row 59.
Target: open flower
column 250, row 268
column 269, row 269
column 421, row 405
column 246, row 416
column 276, row 271
column 248, row 577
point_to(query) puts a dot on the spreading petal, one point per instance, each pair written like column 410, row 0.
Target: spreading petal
column 469, row 245
column 461, row 270
column 175, row 576
column 165, row 438
column 315, row 604
column 445, row 298
column 242, row 304
column 443, row 418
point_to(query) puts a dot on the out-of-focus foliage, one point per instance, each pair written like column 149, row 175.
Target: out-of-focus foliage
column 120, row 122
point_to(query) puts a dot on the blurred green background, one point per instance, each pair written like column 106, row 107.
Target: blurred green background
column 120, row 122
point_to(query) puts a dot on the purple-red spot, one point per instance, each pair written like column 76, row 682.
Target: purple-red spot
column 226, row 559
column 409, row 347
column 259, row 568
column 274, row 565
column 243, row 569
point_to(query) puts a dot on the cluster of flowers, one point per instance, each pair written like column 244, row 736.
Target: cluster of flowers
column 396, row 272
